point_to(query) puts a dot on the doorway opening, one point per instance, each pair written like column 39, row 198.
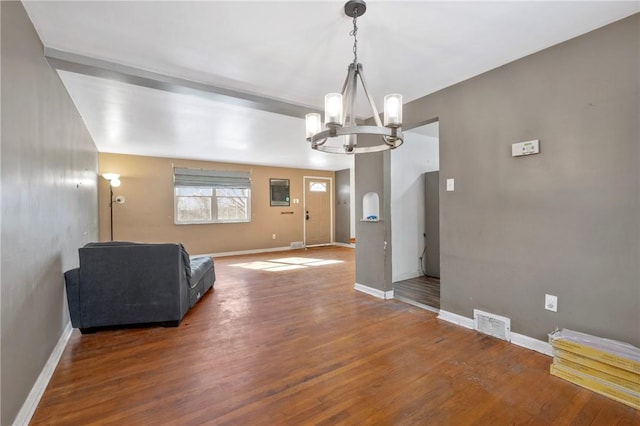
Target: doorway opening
column 415, row 215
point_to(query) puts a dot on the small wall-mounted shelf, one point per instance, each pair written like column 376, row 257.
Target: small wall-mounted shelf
column 370, row 207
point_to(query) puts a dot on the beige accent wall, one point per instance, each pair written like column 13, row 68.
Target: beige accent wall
column 147, row 214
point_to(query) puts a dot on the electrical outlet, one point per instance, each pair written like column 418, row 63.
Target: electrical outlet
column 273, row 236
column 551, row 302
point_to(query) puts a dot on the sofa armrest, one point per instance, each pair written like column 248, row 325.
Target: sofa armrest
column 200, row 265
column 72, row 284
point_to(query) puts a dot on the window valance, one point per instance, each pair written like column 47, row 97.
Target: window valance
column 211, row 178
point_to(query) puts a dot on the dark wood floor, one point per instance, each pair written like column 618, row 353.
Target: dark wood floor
column 284, row 343
column 422, row 290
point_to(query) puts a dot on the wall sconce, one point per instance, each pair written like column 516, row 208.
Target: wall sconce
column 114, row 182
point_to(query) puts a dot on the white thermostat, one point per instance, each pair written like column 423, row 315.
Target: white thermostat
column 525, row 148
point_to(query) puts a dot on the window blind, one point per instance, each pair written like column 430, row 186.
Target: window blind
column 211, row 178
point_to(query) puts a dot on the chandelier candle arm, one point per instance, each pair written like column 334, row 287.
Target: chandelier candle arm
column 339, row 108
column 376, row 115
column 348, row 96
column 352, row 93
column 351, row 140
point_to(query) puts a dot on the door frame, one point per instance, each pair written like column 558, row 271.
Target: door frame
column 304, row 210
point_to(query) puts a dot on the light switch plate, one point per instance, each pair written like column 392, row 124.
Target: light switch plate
column 551, row 302
column 451, row 184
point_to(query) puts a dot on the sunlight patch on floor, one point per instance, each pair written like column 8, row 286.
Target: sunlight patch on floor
column 324, row 262
column 286, row 267
column 295, row 260
column 255, row 265
column 286, row 264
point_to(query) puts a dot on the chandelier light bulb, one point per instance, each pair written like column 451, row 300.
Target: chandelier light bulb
column 314, row 124
column 333, row 109
column 393, row 110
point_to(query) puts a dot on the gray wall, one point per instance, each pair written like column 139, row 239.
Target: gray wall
column 373, row 258
column 564, row 222
column 343, row 206
column 49, row 205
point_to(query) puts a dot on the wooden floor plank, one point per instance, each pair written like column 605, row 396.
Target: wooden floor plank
column 300, row 346
column 423, row 290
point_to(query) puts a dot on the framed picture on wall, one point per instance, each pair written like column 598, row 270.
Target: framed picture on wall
column 279, row 189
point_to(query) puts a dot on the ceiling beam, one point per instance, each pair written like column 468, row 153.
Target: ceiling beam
column 86, row 65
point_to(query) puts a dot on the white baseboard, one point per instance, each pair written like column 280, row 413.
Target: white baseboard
column 417, row 304
column 348, row 245
column 33, row 399
column 516, row 338
column 384, row 295
column 241, row 252
column 531, row 343
column 456, row 319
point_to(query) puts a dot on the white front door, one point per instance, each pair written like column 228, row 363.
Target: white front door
column 317, row 206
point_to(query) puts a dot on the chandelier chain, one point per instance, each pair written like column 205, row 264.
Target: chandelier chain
column 354, row 33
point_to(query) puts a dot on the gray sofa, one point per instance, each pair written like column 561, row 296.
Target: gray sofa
column 123, row 283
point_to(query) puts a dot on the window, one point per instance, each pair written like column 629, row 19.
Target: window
column 211, row 196
column 233, row 205
column 193, row 204
column 318, row 187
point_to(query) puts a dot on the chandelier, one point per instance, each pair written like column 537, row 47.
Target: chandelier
column 339, row 115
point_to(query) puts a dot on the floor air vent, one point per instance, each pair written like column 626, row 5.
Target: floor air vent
column 297, row 244
column 491, row 324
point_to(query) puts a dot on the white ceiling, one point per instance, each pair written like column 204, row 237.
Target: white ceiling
column 284, row 50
